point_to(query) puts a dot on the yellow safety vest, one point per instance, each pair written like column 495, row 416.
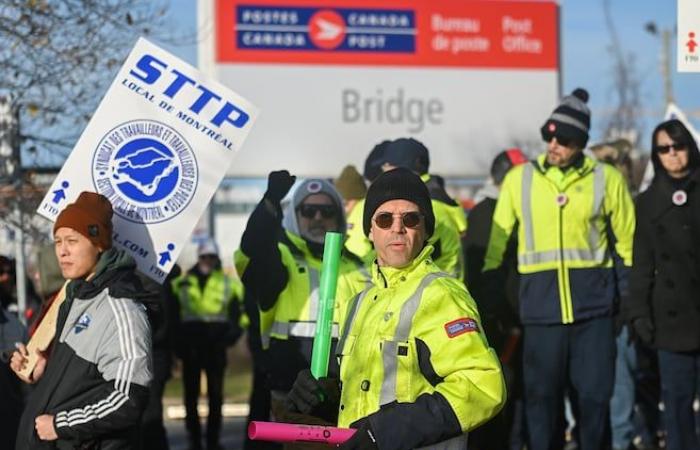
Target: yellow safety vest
column 295, row 312
column 378, row 352
column 564, row 254
column 210, row 304
column 356, row 241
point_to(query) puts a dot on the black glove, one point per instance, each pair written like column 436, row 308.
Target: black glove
column 363, row 439
column 644, row 329
column 279, row 182
column 320, row 398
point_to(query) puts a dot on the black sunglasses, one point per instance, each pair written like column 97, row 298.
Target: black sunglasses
column 663, row 149
column 309, row 211
column 562, row 140
column 409, row 219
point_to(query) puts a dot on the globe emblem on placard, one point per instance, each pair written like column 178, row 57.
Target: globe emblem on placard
column 146, row 169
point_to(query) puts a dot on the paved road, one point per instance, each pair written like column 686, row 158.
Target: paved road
column 231, row 433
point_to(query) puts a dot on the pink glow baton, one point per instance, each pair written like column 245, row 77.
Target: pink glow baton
column 291, row 432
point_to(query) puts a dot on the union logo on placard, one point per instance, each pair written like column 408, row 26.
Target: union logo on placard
column 146, row 169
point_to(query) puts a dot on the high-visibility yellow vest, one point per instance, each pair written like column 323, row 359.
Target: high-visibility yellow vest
column 356, row 241
column 564, row 221
column 210, row 304
column 378, row 351
column 295, row 312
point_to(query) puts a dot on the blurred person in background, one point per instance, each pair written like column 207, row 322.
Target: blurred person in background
column 279, row 262
column 352, row 188
column 11, row 399
column 211, row 306
column 450, row 220
column 499, row 315
column 8, row 291
column 663, row 306
column 623, row 403
column 164, row 326
column 356, row 241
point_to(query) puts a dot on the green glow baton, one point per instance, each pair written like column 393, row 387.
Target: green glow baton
column 320, row 355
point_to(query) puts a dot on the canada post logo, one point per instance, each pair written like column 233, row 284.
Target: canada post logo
column 337, row 29
column 146, row 169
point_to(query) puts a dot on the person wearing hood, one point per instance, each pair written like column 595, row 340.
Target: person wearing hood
column 498, row 310
column 279, row 261
column 663, row 305
column 93, row 389
column 210, row 312
column 450, row 220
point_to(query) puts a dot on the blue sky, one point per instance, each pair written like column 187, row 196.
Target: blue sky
column 586, row 59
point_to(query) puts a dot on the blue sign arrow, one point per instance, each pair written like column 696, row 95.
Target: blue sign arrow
column 58, row 194
column 165, row 256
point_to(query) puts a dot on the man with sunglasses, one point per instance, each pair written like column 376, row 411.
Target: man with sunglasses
column 575, row 221
column 415, row 367
column 279, row 262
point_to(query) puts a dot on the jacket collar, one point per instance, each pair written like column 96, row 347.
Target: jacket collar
column 388, row 277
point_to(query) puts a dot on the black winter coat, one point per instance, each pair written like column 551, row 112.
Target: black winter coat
column 665, row 276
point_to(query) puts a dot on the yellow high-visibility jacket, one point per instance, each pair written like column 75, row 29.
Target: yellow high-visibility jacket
column 568, row 224
column 211, row 304
column 417, row 332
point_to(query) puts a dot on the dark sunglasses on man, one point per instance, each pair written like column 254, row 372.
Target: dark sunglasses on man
column 663, row 149
column 309, row 211
column 562, row 140
column 409, row 219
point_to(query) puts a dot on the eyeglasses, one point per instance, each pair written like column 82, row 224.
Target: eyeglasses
column 309, row 211
column 663, row 149
column 409, row 219
column 561, row 140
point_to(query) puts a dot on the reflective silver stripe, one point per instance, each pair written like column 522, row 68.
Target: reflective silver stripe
column 313, row 287
column 569, row 254
column 313, row 293
column 403, row 329
column 570, row 120
column 456, row 443
column 598, row 192
column 367, row 276
column 592, row 254
column 265, row 339
column 299, row 329
column 526, row 200
column 350, row 319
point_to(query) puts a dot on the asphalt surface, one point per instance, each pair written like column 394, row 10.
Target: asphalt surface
column 231, row 433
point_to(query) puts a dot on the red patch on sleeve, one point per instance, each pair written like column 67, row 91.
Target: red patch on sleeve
column 461, row 326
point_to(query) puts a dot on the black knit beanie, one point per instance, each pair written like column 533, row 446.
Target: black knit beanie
column 398, row 184
column 571, row 119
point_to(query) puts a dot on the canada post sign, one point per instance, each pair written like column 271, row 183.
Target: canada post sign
column 341, row 29
column 157, row 147
column 419, row 33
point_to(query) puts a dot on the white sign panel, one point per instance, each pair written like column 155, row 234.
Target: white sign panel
column 688, row 36
column 468, row 79
column 157, row 147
